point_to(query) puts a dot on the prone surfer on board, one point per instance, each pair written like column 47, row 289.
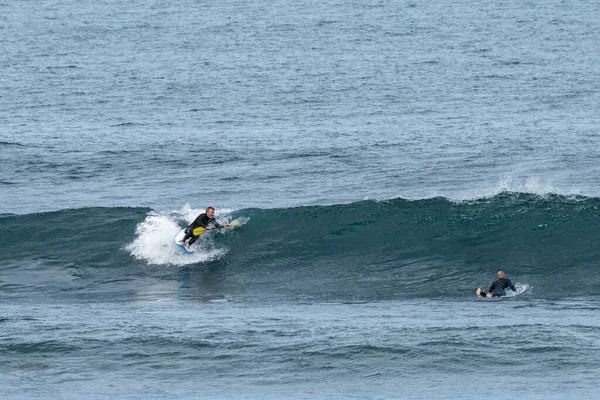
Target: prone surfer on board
column 204, row 221
column 498, row 287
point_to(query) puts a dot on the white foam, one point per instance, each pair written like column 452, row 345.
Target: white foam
column 531, row 185
column 510, row 293
column 511, row 183
column 154, row 240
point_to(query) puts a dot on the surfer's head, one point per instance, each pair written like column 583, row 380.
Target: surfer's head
column 210, row 212
column 500, row 273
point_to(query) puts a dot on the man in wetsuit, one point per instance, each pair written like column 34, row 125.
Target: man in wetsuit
column 498, row 287
column 204, row 221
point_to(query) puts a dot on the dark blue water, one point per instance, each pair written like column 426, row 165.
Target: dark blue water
column 385, row 160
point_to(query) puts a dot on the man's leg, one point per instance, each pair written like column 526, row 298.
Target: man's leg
column 188, row 234
column 192, row 240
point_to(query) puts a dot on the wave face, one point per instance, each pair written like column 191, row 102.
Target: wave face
column 365, row 251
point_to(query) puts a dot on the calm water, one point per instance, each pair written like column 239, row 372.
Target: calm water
column 385, row 159
column 188, row 349
column 276, row 103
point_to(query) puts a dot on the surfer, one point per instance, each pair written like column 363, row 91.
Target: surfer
column 204, row 221
column 498, row 287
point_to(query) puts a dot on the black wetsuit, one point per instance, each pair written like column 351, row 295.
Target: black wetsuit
column 498, row 287
column 201, row 221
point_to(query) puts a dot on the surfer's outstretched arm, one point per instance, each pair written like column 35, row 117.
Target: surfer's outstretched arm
column 510, row 285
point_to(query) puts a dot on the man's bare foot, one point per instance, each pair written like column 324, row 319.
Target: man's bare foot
column 187, row 245
column 479, row 291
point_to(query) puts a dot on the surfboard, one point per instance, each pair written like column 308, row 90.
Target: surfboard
column 509, row 294
column 520, row 290
column 180, row 237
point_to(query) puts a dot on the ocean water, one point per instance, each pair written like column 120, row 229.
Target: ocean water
column 385, row 159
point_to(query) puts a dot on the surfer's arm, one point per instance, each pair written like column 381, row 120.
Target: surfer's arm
column 216, row 224
column 511, row 286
